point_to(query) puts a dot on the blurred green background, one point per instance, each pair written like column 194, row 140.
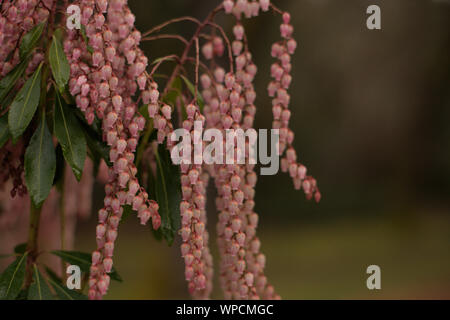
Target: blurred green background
column 370, row 112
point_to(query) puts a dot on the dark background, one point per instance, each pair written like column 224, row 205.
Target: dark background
column 370, row 113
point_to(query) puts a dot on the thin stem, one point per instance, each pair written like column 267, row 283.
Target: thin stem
column 166, row 36
column 227, row 41
column 32, row 243
column 275, row 9
column 165, row 24
column 163, row 59
column 62, row 213
column 201, row 64
column 197, row 64
column 185, row 54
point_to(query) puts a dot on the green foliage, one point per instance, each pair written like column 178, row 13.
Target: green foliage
column 168, row 194
column 70, row 135
column 59, row 64
column 30, row 40
column 9, row 81
column 191, row 87
column 61, row 290
column 40, row 164
column 83, row 260
column 39, row 290
column 4, row 131
column 24, row 105
column 20, row 249
column 12, row 278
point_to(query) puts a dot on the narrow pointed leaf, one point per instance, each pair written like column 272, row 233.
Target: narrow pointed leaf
column 168, row 194
column 40, row 164
column 191, row 88
column 59, row 64
column 30, row 40
column 12, row 278
column 65, row 293
column 70, row 135
column 61, row 289
column 39, row 289
column 8, row 82
column 24, row 105
column 4, row 131
column 83, row 260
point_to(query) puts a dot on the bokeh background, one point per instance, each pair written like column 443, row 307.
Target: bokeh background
column 371, row 112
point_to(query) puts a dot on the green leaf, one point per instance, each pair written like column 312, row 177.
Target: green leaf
column 61, row 290
column 11, row 280
column 30, row 40
column 168, row 194
column 40, row 164
column 83, row 260
column 4, row 131
column 70, row 135
column 162, row 59
column 65, row 293
column 191, row 87
column 59, row 64
column 9, row 81
column 20, row 248
column 24, row 105
column 39, row 289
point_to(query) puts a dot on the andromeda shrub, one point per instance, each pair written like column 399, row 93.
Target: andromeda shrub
column 80, row 102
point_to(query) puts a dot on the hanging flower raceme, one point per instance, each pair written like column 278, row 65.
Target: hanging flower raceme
column 98, row 77
column 103, row 83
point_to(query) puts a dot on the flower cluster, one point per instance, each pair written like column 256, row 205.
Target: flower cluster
column 19, row 17
column 232, row 106
column 278, row 90
column 105, row 74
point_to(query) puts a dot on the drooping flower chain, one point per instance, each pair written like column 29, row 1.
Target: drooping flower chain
column 104, row 82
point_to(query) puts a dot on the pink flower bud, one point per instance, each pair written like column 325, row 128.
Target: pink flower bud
column 96, row 256
column 185, row 233
column 134, row 129
column 145, row 216
column 123, row 179
column 236, row 225
column 137, row 202
column 249, row 279
column 193, row 176
column 107, row 265
column 238, row 31
column 207, row 50
column 156, row 221
column 240, row 238
column 200, row 281
column 228, row 5
column 100, row 231
column 102, row 215
column 166, row 111
column 111, row 119
column 190, row 110
column 109, row 249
